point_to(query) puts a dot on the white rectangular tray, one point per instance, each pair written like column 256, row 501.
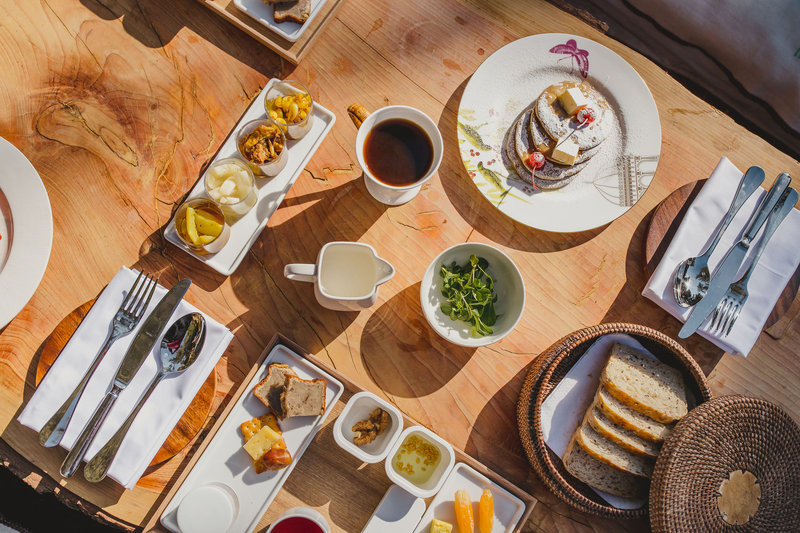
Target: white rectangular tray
column 271, row 191
column 508, row 508
column 291, row 31
column 225, row 461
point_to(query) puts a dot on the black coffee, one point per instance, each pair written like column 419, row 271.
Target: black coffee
column 398, row 152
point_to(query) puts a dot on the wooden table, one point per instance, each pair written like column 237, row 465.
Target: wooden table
column 120, row 104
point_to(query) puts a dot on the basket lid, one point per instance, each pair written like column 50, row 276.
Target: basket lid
column 731, row 464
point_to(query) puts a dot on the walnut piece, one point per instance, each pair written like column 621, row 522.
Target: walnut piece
column 366, row 431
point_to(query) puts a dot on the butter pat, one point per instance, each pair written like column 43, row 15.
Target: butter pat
column 565, row 153
column 261, row 442
column 573, row 100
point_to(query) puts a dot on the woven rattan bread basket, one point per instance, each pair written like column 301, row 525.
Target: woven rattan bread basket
column 550, row 368
column 751, row 445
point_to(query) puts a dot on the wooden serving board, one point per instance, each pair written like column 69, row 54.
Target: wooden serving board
column 187, row 427
column 292, row 51
column 327, row 478
column 663, row 225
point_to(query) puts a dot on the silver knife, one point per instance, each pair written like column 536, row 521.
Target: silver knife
column 729, row 267
column 138, row 351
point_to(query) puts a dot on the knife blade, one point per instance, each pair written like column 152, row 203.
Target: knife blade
column 137, row 352
column 149, row 332
column 729, row 267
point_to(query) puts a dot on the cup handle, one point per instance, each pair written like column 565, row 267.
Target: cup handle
column 358, row 114
column 300, row 272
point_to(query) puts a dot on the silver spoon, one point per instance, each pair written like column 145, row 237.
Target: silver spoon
column 692, row 276
column 180, row 347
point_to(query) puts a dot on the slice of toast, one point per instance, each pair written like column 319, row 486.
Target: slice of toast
column 296, row 11
column 602, row 476
column 630, row 419
column 608, row 452
column 621, row 436
column 302, row 397
column 645, row 384
column 269, row 389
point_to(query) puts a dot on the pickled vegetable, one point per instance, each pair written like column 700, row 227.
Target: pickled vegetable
column 263, row 144
column 486, row 512
column 289, row 109
column 464, row 519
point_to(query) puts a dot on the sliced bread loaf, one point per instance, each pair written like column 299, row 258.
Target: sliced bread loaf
column 302, row 397
column 621, row 436
column 610, row 453
column 630, row 419
column 645, row 384
column 600, row 475
column 269, row 390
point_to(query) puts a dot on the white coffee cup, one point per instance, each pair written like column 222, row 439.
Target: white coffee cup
column 365, row 121
column 346, row 275
column 304, row 513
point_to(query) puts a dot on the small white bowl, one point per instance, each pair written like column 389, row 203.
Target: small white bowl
column 358, row 408
column 508, row 285
column 434, row 483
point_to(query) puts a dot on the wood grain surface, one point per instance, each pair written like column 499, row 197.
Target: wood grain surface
column 119, row 105
column 193, row 419
column 663, row 225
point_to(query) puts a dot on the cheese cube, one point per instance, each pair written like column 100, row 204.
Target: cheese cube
column 261, row 442
column 565, row 152
column 440, row 526
column 573, row 100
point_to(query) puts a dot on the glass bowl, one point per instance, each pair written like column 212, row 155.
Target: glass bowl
column 262, row 166
column 295, row 129
column 230, row 183
column 211, row 218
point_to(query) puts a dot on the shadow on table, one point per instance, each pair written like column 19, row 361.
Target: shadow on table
column 631, row 306
column 155, row 24
column 478, row 211
column 402, row 354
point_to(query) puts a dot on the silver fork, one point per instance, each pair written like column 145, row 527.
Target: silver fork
column 728, row 309
column 126, row 318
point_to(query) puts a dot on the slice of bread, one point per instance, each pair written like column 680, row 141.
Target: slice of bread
column 621, row 436
column 602, row 476
column 610, row 453
column 630, row 419
column 645, row 384
column 269, row 390
column 292, row 11
column 302, row 397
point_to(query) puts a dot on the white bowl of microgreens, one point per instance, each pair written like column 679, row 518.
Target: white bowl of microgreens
column 472, row 294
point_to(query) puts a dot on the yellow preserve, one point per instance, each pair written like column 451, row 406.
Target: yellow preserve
column 416, row 459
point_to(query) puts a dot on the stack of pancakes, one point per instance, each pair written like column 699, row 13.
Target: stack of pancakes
column 544, row 124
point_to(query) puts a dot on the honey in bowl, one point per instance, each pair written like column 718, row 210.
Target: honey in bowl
column 416, row 459
column 398, row 152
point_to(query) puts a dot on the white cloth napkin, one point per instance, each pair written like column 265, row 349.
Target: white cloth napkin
column 774, row 270
column 161, row 412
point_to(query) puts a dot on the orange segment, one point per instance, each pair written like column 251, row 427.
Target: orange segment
column 486, row 512
column 464, row 519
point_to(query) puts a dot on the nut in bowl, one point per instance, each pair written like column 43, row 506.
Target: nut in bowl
column 367, row 427
column 289, row 105
column 201, row 225
column 492, row 288
column 263, row 145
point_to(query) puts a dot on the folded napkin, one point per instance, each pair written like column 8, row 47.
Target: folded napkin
column 775, row 268
column 161, row 412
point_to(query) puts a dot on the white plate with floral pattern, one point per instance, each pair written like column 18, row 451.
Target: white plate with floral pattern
column 508, row 83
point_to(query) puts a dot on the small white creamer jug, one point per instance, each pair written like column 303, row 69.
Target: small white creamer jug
column 346, row 275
